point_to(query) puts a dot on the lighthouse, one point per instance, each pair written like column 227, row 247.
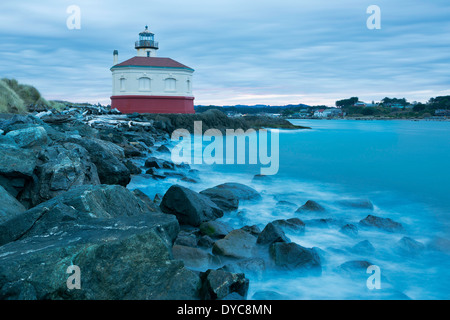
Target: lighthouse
column 150, row 84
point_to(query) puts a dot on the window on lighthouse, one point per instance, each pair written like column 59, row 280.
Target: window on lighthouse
column 122, row 84
column 171, row 84
column 144, row 84
column 188, row 82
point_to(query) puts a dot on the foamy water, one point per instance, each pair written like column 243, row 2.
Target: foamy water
column 311, row 168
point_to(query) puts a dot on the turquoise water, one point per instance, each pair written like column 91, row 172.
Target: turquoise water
column 401, row 166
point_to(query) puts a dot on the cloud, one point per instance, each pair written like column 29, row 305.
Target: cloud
column 244, row 52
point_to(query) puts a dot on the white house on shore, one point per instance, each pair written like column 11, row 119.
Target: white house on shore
column 149, row 84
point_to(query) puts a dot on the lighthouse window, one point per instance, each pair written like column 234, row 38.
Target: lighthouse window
column 122, row 84
column 144, row 84
column 188, row 82
column 171, row 84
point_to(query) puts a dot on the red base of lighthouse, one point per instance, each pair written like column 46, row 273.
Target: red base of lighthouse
column 153, row 104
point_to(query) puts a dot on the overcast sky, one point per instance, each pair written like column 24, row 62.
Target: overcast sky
column 243, row 51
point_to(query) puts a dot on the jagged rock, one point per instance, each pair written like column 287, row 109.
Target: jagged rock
column 9, row 207
column 218, row 284
column 83, row 203
column 291, row 256
column 223, row 198
column 239, row 191
column 270, row 234
column 189, row 206
column 253, row 230
column 163, row 149
column 134, row 169
column 381, row 223
column 236, row 244
column 125, row 258
column 255, row 266
column 310, row 206
column 363, row 247
column 28, row 137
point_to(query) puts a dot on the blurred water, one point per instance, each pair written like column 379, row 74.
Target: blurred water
column 401, row 166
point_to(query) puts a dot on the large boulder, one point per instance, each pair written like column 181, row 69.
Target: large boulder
column 194, row 257
column 62, row 168
column 107, row 158
column 237, row 244
column 291, row 256
column 271, row 234
column 9, row 207
column 28, row 137
column 189, row 206
column 125, row 258
column 80, row 204
column 223, row 198
column 217, row 284
column 235, row 191
column 385, row 224
column 215, row 229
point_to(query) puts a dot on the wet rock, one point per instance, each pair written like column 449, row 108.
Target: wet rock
column 240, row 191
column 350, row 230
column 218, row 284
column 215, row 229
column 186, row 239
column 236, row 244
column 292, row 224
column 253, row 230
column 163, row 149
column 28, row 137
column 205, row 242
column 194, row 257
column 357, row 204
column 410, row 247
column 363, row 247
column 271, row 234
column 150, row 205
column 155, row 174
column 9, row 207
column 291, row 256
column 189, row 206
column 223, row 198
column 310, row 206
column 381, row 223
column 254, row 266
column 353, row 266
column 134, row 169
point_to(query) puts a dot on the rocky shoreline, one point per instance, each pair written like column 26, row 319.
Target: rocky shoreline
column 65, row 201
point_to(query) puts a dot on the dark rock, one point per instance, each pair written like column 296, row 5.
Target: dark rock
column 255, row 266
column 194, row 257
column 350, row 230
column 163, row 148
column 262, row 178
column 83, row 203
column 236, row 244
column 9, row 207
column 240, row 191
column 125, row 258
column 215, row 229
column 28, row 137
column 189, row 206
column 410, row 247
column 223, row 198
column 233, row 296
column 381, row 223
column 355, row 266
column 186, row 239
column 205, row 242
column 310, row 206
column 218, row 284
column 293, row 224
column 363, row 247
column 291, row 256
column 64, row 167
column 357, row 204
column 151, row 206
column 155, row 174
column 107, row 158
column 270, row 234
column 134, row 169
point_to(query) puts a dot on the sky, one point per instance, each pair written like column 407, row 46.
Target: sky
column 243, row 51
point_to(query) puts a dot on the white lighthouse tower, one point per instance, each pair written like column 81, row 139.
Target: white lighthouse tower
column 149, row 84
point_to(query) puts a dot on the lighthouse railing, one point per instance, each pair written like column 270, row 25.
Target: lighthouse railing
column 146, row 44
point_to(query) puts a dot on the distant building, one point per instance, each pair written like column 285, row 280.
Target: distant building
column 442, row 112
column 148, row 84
